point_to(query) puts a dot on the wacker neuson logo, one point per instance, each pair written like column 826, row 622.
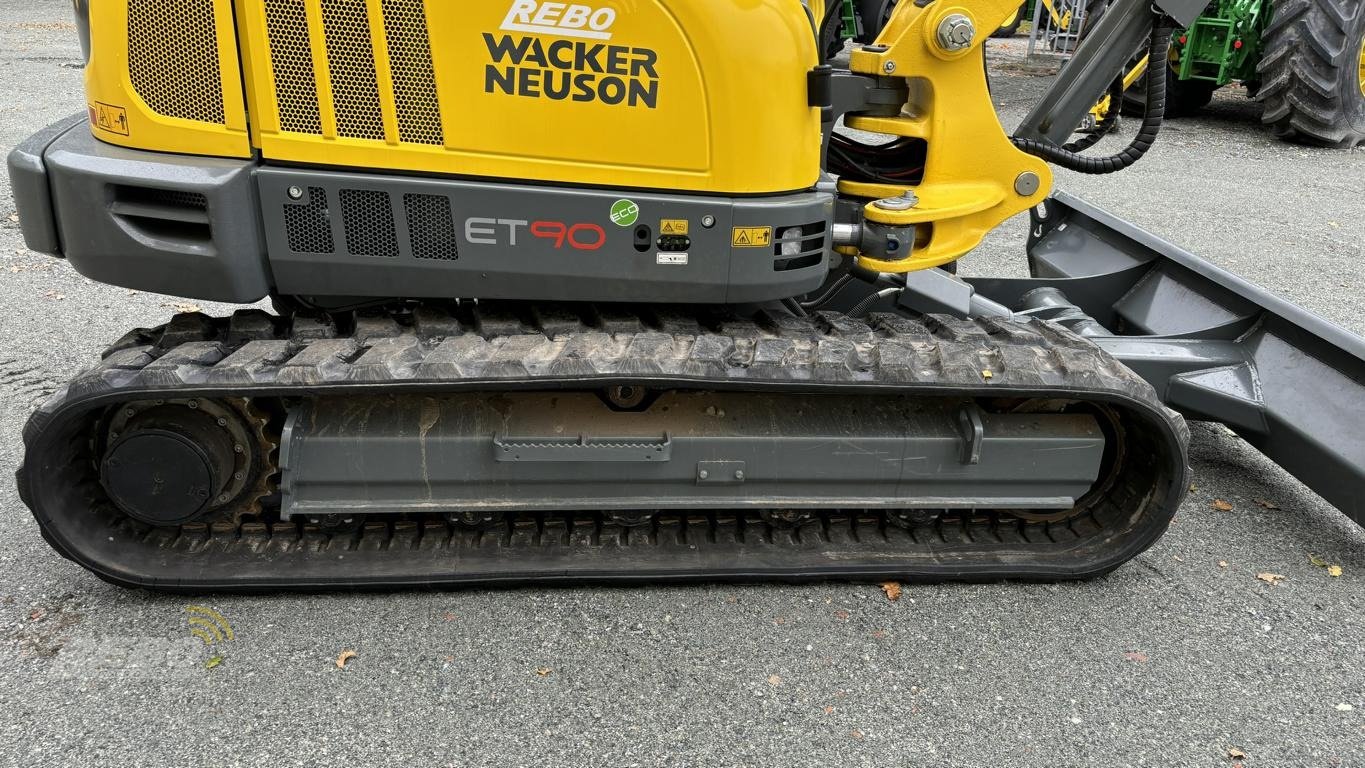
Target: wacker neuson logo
column 568, row 70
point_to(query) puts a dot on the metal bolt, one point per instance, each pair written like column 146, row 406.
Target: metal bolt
column 708, row 221
column 223, row 499
column 295, row 193
column 889, row 67
column 222, row 422
column 193, row 405
column 703, row 474
column 956, row 32
column 903, row 203
column 739, row 474
column 1027, row 184
column 130, row 412
column 238, row 449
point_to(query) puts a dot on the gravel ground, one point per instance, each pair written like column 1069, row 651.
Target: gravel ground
column 1175, row 660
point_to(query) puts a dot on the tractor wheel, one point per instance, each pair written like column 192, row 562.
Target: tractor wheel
column 1313, row 72
column 1183, row 97
column 1011, row 26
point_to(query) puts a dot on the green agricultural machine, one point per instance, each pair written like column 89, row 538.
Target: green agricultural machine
column 1304, row 60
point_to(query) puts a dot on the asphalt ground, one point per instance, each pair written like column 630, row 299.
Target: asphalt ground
column 1181, row 658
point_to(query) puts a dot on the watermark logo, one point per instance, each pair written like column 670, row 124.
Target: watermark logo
column 208, row 625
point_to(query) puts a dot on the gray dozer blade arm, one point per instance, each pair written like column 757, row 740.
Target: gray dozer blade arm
column 1216, row 347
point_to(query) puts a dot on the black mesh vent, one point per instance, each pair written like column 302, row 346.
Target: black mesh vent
column 171, row 198
column 431, row 227
column 310, row 226
column 368, row 216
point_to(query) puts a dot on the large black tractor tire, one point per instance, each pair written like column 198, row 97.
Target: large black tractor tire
column 1183, row 97
column 1313, row 72
column 1011, row 26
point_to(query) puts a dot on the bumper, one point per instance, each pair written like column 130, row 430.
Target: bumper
column 238, row 230
column 154, row 222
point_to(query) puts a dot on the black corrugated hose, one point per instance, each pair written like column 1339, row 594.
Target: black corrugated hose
column 1158, row 52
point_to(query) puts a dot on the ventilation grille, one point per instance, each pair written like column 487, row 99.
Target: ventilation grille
column 799, row 247
column 170, row 198
column 292, row 62
column 360, row 83
column 310, row 226
column 369, row 226
column 173, row 58
column 414, row 81
column 431, row 227
column 350, row 64
column 369, row 223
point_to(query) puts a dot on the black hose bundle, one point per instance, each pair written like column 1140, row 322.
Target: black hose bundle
column 899, row 162
column 1069, row 157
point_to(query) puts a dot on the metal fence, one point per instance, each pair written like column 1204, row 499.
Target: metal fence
column 1057, row 26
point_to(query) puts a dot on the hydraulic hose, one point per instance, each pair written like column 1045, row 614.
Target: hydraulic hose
column 1158, row 51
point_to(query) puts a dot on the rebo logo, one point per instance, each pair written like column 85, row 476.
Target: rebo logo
column 563, row 19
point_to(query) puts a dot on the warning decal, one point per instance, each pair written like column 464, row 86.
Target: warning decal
column 107, row 117
column 752, row 237
column 673, row 227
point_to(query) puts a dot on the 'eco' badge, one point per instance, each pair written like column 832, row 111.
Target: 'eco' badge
column 624, row 213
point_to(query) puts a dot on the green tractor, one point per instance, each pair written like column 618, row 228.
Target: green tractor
column 1303, row 60
column 857, row 20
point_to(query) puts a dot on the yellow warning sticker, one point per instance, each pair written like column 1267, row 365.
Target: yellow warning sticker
column 108, row 117
column 673, row 227
column 752, row 237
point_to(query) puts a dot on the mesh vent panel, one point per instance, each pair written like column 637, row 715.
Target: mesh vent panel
column 310, row 226
column 292, row 60
column 368, row 216
column 173, row 58
column 348, row 31
column 414, row 82
column 350, row 63
column 173, row 198
column 431, row 227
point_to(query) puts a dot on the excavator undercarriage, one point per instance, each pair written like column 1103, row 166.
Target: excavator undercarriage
column 744, row 359
column 444, row 445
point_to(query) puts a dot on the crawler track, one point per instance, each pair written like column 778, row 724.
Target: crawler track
column 262, row 358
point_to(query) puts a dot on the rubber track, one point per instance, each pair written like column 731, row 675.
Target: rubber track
column 1309, row 72
column 254, row 354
